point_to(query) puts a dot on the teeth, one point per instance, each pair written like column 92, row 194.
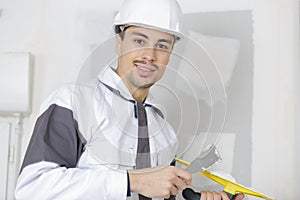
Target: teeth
column 145, row 69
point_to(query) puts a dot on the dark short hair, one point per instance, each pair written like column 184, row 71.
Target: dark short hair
column 120, row 31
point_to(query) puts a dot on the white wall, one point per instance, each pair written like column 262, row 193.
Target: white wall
column 59, row 44
column 276, row 75
column 275, row 93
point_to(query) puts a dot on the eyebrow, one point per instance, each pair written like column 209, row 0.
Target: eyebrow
column 146, row 37
column 165, row 40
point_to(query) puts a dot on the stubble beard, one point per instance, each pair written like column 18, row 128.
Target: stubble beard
column 138, row 82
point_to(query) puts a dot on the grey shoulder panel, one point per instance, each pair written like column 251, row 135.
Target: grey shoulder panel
column 56, row 138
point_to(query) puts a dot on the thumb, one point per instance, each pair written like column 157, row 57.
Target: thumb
column 239, row 196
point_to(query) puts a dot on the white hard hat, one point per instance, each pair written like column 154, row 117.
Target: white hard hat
column 163, row 15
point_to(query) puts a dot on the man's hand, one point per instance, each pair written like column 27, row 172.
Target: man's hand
column 159, row 182
column 205, row 195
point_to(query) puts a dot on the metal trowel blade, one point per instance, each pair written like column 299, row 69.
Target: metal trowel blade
column 206, row 159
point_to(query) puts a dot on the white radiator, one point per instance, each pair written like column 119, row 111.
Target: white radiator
column 15, row 92
column 10, row 154
column 4, row 158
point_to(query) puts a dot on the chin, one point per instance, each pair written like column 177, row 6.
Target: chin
column 147, row 85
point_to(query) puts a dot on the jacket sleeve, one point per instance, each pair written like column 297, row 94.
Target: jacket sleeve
column 49, row 167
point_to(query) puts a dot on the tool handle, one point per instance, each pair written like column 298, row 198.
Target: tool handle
column 190, row 194
column 172, row 197
column 231, row 196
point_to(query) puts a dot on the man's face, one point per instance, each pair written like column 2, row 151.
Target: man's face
column 143, row 55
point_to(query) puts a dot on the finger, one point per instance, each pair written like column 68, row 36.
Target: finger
column 203, row 195
column 185, row 175
column 180, row 183
column 213, row 196
column 217, row 196
column 166, row 195
column 209, row 196
column 239, row 196
column 224, row 195
column 174, row 190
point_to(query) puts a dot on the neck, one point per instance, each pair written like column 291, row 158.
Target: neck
column 140, row 94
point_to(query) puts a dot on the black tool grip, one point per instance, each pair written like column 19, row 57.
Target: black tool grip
column 190, row 194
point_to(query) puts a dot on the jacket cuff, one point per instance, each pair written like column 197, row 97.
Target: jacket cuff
column 128, row 186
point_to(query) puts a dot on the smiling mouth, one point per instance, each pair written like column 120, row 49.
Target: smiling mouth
column 144, row 69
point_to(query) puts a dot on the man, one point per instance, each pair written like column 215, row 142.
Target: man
column 106, row 139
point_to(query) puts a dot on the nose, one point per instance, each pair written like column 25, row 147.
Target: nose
column 149, row 54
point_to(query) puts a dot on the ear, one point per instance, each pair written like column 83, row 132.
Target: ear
column 118, row 44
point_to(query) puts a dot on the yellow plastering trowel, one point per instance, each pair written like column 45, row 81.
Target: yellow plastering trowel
column 230, row 187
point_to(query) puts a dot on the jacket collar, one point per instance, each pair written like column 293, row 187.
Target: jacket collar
column 112, row 79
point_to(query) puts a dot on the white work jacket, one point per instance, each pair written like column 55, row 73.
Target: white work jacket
column 85, row 140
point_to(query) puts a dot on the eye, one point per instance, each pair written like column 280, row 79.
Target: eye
column 139, row 41
column 162, row 46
